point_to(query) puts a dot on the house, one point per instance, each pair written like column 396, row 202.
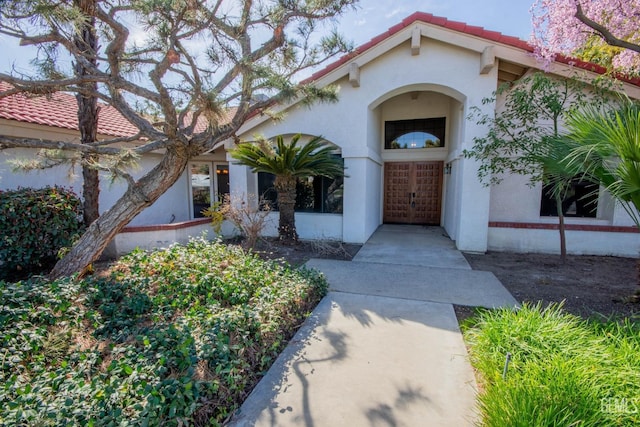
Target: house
column 400, row 126
column 168, row 220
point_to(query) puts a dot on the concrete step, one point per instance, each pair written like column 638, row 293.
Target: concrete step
column 445, row 285
column 412, row 245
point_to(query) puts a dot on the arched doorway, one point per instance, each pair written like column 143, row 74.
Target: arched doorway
column 418, row 129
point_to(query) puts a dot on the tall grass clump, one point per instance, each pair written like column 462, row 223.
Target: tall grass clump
column 564, row 371
column 171, row 337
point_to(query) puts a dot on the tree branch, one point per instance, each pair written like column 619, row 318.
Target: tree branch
column 607, row 36
column 99, row 148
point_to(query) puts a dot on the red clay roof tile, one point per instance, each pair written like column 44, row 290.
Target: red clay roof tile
column 60, row 110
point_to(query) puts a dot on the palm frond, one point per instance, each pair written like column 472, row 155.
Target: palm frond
column 315, row 158
column 607, row 148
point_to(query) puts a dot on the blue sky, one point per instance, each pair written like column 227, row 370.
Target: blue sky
column 510, row 17
column 373, row 17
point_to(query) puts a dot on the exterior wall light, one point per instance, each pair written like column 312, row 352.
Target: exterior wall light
column 447, row 169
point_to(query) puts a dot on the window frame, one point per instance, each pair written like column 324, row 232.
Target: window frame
column 436, row 126
column 321, row 186
column 593, row 201
column 213, row 183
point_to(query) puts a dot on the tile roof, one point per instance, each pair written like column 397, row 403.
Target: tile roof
column 60, row 110
column 461, row 27
column 202, row 123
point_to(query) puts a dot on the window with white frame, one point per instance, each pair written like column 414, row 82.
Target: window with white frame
column 209, row 183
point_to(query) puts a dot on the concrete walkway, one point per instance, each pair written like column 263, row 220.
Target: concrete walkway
column 383, row 348
column 412, row 245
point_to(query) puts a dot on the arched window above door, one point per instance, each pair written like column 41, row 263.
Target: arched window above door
column 412, row 134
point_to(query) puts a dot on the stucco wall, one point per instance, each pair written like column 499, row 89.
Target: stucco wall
column 448, row 81
column 310, row 226
column 578, row 242
column 173, row 206
column 170, row 207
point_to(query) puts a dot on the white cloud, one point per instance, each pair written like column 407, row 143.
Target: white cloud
column 394, row 12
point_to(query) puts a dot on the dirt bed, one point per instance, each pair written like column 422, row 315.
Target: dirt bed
column 589, row 285
column 296, row 255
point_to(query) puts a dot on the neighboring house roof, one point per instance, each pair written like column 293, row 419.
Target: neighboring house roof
column 461, row 27
column 60, row 110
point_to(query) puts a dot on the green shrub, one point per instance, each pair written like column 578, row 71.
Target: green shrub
column 34, row 225
column 172, row 337
column 564, row 371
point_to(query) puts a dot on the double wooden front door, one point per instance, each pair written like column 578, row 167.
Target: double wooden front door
column 412, row 192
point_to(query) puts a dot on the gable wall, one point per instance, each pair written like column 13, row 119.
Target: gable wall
column 355, row 123
column 439, row 67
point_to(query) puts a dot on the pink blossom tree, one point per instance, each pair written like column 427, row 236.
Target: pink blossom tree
column 563, row 26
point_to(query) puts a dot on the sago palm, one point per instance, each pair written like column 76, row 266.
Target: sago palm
column 607, row 149
column 289, row 162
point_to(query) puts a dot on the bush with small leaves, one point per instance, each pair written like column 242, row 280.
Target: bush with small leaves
column 35, row 224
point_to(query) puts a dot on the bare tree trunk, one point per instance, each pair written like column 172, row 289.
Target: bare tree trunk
column 90, row 194
column 86, row 42
column 286, row 189
column 561, row 229
column 138, row 196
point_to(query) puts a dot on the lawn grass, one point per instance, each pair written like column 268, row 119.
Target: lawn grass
column 564, row 371
column 172, row 337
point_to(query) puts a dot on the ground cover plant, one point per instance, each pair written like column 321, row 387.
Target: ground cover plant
column 170, row 337
column 564, row 371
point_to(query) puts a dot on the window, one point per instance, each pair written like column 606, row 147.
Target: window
column 581, row 200
column 206, row 186
column 419, row 133
column 316, row 194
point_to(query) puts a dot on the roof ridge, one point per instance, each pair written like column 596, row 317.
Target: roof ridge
column 465, row 28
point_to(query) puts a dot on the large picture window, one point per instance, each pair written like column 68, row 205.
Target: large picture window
column 411, row 134
column 581, row 200
column 316, row 194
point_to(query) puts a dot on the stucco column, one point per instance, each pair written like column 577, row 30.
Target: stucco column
column 473, row 218
column 474, row 198
column 361, row 203
column 242, row 182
